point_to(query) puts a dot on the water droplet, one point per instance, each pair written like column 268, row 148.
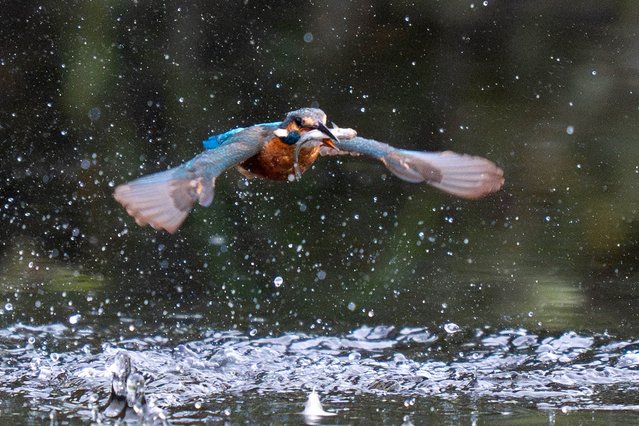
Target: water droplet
column 8, row 307
column 570, row 130
column 94, row 114
column 74, row 319
column 351, row 306
column 217, row 240
column 409, row 402
column 594, row 72
column 451, row 328
column 278, row 281
column 308, row 37
column 321, row 275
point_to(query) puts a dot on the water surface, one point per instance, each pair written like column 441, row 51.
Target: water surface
column 397, row 303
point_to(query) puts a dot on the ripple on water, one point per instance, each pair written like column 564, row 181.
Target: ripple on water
column 569, row 370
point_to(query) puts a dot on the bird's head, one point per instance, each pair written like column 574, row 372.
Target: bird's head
column 303, row 120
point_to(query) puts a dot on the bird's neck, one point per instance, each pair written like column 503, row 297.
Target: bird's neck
column 292, row 137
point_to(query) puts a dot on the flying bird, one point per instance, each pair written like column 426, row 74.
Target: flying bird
column 283, row 151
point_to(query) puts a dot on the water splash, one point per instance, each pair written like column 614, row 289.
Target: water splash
column 194, row 380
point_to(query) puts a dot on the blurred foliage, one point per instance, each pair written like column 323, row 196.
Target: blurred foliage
column 96, row 93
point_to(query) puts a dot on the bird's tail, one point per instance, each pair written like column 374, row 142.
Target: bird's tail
column 164, row 199
column 462, row 175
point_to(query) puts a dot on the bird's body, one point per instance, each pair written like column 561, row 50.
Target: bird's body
column 284, row 150
column 276, row 159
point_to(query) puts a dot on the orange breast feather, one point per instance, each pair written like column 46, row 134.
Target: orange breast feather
column 276, row 159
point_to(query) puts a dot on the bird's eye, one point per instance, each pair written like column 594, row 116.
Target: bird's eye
column 298, row 121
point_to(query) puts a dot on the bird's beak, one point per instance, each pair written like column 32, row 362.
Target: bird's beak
column 328, row 142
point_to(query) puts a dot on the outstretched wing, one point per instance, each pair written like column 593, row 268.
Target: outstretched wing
column 164, row 199
column 215, row 141
column 465, row 176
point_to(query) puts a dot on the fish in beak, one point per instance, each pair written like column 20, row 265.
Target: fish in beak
column 328, row 142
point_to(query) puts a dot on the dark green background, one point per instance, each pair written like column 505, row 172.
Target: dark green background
column 95, row 93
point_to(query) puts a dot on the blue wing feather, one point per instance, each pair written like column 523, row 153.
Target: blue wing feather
column 216, row 141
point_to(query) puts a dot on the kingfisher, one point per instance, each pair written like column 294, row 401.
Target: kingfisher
column 283, row 151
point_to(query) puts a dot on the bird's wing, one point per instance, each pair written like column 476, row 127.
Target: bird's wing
column 164, row 199
column 464, row 176
column 215, row 141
